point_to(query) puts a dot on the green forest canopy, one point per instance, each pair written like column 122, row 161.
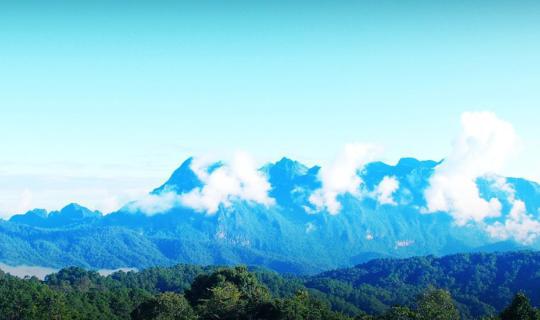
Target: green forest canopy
column 467, row 286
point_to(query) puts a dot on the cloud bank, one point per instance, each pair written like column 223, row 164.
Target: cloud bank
column 483, row 147
column 342, row 176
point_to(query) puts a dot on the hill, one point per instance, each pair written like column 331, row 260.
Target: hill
column 480, row 284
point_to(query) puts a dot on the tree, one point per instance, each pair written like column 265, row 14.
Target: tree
column 436, row 304
column 249, row 286
column 224, row 302
column 303, row 306
column 520, row 309
column 227, row 288
column 166, row 306
column 399, row 313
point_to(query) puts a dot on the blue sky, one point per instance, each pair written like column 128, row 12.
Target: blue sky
column 103, row 99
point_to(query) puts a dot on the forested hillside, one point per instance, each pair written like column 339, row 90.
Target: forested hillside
column 480, row 283
column 172, row 293
column 467, row 286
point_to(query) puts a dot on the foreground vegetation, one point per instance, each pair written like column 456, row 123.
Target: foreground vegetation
column 192, row 292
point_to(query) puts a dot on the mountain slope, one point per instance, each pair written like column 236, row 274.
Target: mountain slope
column 481, row 283
column 290, row 235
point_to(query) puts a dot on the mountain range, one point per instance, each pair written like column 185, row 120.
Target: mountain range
column 288, row 233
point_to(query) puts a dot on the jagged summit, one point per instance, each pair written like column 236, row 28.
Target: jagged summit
column 182, row 180
column 74, row 211
column 287, row 168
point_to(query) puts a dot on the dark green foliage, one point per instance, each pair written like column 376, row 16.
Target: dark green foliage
column 29, row 299
column 303, row 306
column 481, row 284
column 520, row 309
column 215, row 293
column 165, row 306
column 401, row 290
column 228, row 293
column 436, row 304
column 247, row 284
column 159, row 279
column 399, row 313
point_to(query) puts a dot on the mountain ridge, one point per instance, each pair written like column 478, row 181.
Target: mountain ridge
column 288, row 236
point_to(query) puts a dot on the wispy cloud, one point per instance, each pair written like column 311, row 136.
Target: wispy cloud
column 342, row 176
column 483, row 147
column 151, row 204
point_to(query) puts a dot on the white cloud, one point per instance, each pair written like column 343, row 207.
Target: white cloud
column 483, row 147
column 155, row 203
column 222, row 184
column 385, row 189
column 342, row 176
column 239, row 180
column 501, row 184
column 518, row 225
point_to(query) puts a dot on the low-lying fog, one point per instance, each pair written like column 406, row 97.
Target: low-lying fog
column 41, row 272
